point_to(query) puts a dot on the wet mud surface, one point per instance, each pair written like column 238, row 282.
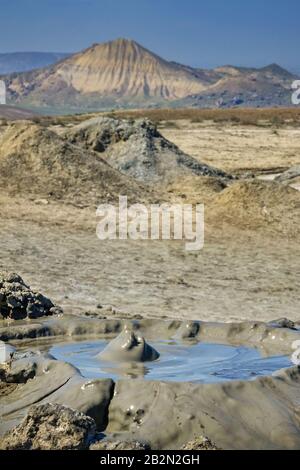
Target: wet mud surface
column 259, row 412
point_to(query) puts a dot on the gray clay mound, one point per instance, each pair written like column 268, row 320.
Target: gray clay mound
column 35, row 160
column 129, row 347
column 18, row 301
column 137, row 149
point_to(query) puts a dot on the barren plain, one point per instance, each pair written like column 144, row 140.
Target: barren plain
column 249, row 268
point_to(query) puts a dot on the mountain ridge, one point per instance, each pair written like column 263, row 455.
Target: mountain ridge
column 124, row 73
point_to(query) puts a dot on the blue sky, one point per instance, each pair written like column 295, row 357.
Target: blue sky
column 196, row 32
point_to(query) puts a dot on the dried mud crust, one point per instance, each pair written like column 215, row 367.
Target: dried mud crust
column 7, row 388
column 51, row 427
column 258, row 205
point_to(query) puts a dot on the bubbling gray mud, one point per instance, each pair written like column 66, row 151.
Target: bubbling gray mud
column 178, row 362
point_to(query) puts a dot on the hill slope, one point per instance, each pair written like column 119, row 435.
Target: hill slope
column 14, row 113
column 238, row 86
column 118, row 70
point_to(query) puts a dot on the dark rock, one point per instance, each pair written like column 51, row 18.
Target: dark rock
column 18, row 301
column 18, row 371
column 283, row 323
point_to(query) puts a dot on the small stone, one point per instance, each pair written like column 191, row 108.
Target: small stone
column 200, row 443
column 43, row 202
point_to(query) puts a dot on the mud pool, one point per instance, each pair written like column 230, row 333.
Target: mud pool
column 233, row 382
column 178, row 362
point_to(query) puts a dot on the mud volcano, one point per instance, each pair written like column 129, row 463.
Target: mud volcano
column 233, row 383
column 128, row 347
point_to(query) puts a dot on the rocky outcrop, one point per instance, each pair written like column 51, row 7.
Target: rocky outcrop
column 137, row 149
column 19, row 369
column 51, row 427
column 18, row 301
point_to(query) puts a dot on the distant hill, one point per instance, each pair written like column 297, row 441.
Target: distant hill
column 245, row 87
column 122, row 73
column 25, row 61
column 14, row 113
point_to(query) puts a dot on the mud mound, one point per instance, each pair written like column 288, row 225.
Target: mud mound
column 137, row 149
column 258, row 204
column 196, row 189
column 35, row 160
column 18, row 301
column 129, row 347
column 51, row 427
